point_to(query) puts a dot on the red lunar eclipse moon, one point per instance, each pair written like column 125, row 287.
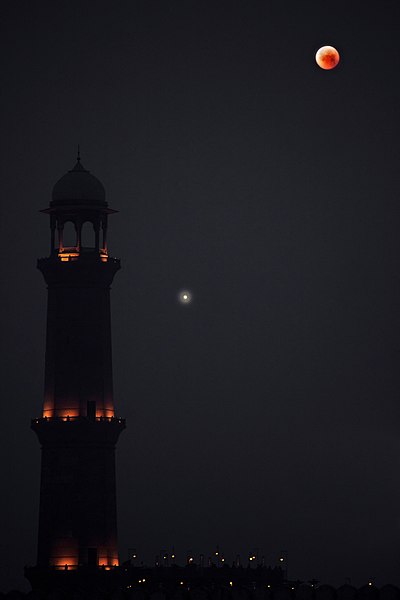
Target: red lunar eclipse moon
column 327, row 57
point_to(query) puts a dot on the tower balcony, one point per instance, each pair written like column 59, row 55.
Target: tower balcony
column 78, row 430
column 73, row 253
column 69, row 419
column 71, row 266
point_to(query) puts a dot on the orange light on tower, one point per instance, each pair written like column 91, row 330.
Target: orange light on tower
column 68, row 256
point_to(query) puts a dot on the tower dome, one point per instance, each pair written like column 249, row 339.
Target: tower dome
column 78, row 186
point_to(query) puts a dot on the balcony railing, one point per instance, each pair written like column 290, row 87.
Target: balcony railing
column 79, row 418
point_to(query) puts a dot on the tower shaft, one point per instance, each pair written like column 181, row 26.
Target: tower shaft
column 78, row 371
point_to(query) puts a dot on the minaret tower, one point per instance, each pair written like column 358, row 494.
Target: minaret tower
column 78, row 430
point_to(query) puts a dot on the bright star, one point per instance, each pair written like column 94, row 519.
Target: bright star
column 185, row 297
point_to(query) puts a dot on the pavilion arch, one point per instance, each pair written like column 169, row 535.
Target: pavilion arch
column 69, row 237
column 88, row 237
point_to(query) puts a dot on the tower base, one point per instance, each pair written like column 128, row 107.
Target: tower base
column 85, row 580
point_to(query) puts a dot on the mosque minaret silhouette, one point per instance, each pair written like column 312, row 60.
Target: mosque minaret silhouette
column 78, row 429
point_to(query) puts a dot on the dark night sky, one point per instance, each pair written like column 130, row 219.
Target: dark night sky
column 265, row 413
